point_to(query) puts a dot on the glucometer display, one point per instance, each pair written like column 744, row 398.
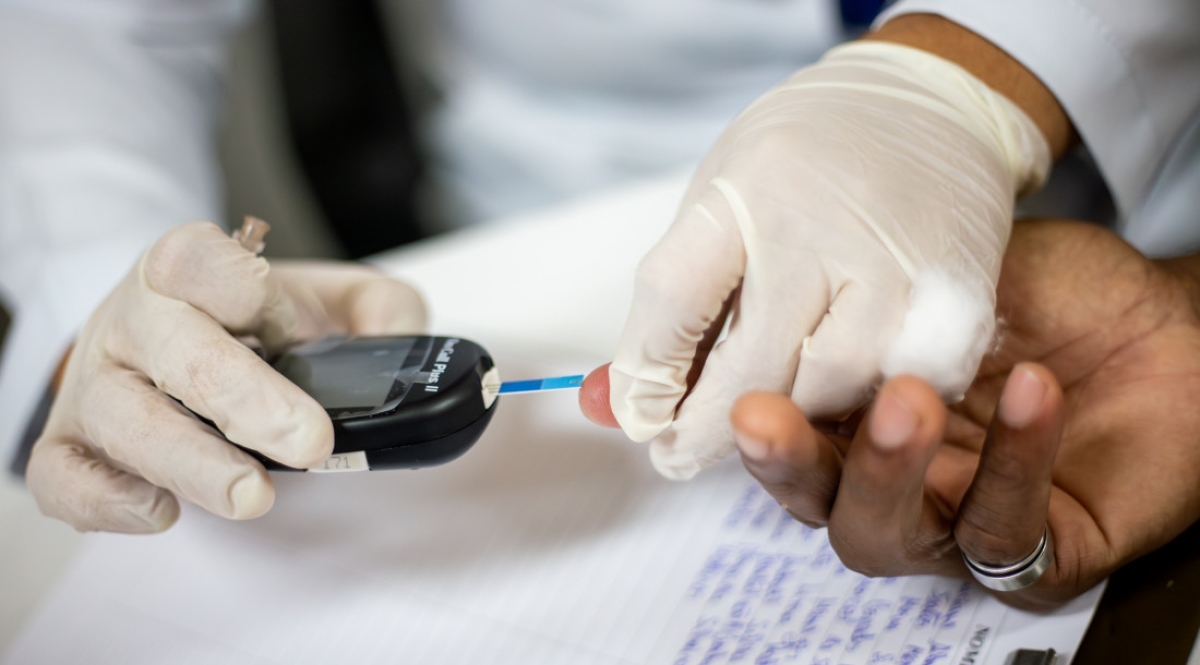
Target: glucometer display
column 355, row 377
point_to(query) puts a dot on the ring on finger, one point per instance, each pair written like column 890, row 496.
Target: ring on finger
column 1018, row 575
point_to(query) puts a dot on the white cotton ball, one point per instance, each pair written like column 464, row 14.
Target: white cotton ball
column 948, row 328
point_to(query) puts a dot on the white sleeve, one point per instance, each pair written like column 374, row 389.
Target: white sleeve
column 107, row 111
column 1126, row 72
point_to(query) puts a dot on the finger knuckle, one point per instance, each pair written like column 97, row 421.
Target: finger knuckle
column 109, row 395
column 926, row 552
column 658, row 274
column 48, row 476
column 1005, row 473
column 992, row 537
column 808, row 499
column 243, row 296
column 202, row 371
column 862, row 558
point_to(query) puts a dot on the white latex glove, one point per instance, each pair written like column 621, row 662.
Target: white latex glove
column 117, row 450
column 857, row 216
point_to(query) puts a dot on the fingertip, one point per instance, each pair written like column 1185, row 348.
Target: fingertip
column 315, row 442
column 759, row 418
column 594, row 400
column 905, row 409
column 795, row 464
column 769, row 427
column 308, row 438
column 892, row 421
column 1029, row 392
column 753, row 417
column 158, row 512
column 251, row 496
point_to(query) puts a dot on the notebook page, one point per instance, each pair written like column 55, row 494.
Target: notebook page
column 552, row 541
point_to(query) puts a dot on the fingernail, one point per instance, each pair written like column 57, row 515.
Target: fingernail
column 1023, row 395
column 752, row 447
column 250, row 497
column 892, row 422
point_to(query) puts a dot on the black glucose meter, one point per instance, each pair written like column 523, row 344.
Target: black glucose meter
column 395, row 402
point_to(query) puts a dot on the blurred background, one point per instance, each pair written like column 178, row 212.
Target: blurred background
column 317, row 136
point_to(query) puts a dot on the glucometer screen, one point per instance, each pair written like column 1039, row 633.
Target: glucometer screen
column 355, row 376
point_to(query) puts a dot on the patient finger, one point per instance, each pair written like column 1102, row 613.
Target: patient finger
column 594, row 393
column 593, row 398
column 881, row 524
column 795, row 464
column 1003, row 515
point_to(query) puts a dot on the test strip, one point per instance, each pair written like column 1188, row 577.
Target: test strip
column 537, row 385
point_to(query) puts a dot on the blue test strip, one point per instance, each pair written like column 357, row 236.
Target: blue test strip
column 535, row 385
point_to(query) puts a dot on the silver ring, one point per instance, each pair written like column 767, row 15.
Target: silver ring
column 1018, row 575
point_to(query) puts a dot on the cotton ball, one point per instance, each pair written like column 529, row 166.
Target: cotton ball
column 948, row 328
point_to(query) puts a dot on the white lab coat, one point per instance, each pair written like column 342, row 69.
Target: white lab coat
column 107, row 110
column 1128, row 75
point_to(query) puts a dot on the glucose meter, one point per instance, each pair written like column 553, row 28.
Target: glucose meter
column 395, row 402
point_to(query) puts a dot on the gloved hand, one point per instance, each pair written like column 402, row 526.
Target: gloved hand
column 117, row 449
column 855, row 217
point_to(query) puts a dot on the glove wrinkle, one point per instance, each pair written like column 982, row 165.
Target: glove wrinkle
column 871, row 196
